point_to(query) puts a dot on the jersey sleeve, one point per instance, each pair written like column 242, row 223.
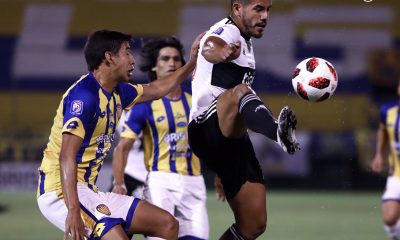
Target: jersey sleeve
column 130, row 94
column 228, row 32
column 383, row 112
column 136, row 121
column 79, row 109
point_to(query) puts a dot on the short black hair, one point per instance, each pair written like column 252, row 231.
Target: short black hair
column 100, row 42
column 150, row 50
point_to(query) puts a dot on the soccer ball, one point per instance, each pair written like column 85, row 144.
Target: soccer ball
column 314, row 79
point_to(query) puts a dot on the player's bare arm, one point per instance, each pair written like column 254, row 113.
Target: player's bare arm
column 158, row 89
column 74, row 225
column 120, row 158
column 216, row 50
column 381, row 144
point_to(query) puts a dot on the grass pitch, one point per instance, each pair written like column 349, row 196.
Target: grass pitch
column 291, row 215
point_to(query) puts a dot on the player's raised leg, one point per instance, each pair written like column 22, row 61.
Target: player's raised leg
column 240, row 108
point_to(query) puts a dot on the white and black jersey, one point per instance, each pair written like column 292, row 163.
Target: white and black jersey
column 210, row 80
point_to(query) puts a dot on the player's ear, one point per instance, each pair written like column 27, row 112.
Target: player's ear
column 236, row 9
column 108, row 57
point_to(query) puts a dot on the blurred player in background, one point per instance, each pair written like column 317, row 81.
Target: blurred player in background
column 174, row 182
column 224, row 107
column 388, row 136
column 135, row 172
column 81, row 137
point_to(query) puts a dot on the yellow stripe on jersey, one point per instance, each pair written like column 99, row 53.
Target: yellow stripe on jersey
column 393, row 128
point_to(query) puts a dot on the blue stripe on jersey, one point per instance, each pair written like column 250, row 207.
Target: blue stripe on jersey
column 86, row 140
column 172, row 142
column 154, row 131
column 42, row 178
column 131, row 212
column 89, row 172
column 98, row 170
column 396, row 131
column 189, row 151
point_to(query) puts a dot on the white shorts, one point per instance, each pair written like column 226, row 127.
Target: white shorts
column 99, row 211
column 392, row 190
column 184, row 197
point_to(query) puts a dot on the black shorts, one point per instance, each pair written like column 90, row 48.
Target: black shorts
column 234, row 160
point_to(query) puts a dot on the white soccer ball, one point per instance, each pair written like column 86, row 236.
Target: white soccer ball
column 314, row 79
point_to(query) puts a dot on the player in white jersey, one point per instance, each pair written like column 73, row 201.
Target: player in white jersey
column 224, row 107
column 388, row 136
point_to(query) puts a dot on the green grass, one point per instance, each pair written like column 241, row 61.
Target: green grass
column 291, row 215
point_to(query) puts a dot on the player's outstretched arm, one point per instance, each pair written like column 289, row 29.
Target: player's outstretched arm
column 381, row 143
column 158, row 89
column 216, row 50
column 120, row 157
column 73, row 225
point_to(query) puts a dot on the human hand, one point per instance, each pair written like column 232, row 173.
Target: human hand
column 219, row 190
column 195, row 47
column 74, row 227
column 231, row 51
column 377, row 163
column 120, row 189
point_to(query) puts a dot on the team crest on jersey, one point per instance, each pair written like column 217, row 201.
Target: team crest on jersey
column 76, row 107
column 218, row 31
column 102, row 208
column 119, row 111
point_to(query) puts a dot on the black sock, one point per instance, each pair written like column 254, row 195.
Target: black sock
column 231, row 234
column 257, row 116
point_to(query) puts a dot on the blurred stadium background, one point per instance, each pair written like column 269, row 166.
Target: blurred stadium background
column 41, row 46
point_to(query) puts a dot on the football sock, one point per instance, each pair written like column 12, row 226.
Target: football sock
column 393, row 231
column 231, row 234
column 257, row 116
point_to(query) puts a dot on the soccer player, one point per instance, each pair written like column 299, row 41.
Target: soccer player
column 225, row 106
column 388, row 135
column 174, row 182
column 81, row 137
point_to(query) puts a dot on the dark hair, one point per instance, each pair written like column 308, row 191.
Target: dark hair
column 150, row 50
column 100, row 42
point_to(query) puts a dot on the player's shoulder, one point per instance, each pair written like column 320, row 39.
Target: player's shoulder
column 85, row 86
column 386, row 107
column 225, row 25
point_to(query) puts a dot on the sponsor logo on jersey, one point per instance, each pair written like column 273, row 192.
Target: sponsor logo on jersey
column 159, row 119
column 76, row 107
column 73, row 125
column 218, row 31
column 174, row 137
column 102, row 208
column 181, row 124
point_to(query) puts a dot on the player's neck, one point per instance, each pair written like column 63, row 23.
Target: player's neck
column 236, row 20
column 105, row 79
column 175, row 94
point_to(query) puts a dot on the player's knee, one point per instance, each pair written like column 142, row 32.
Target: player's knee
column 170, row 227
column 241, row 90
column 258, row 227
column 390, row 219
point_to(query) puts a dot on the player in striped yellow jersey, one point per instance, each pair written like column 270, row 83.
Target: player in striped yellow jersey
column 81, row 137
column 174, row 182
column 388, row 135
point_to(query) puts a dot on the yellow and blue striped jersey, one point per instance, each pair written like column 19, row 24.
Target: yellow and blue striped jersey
column 390, row 117
column 165, row 138
column 90, row 112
